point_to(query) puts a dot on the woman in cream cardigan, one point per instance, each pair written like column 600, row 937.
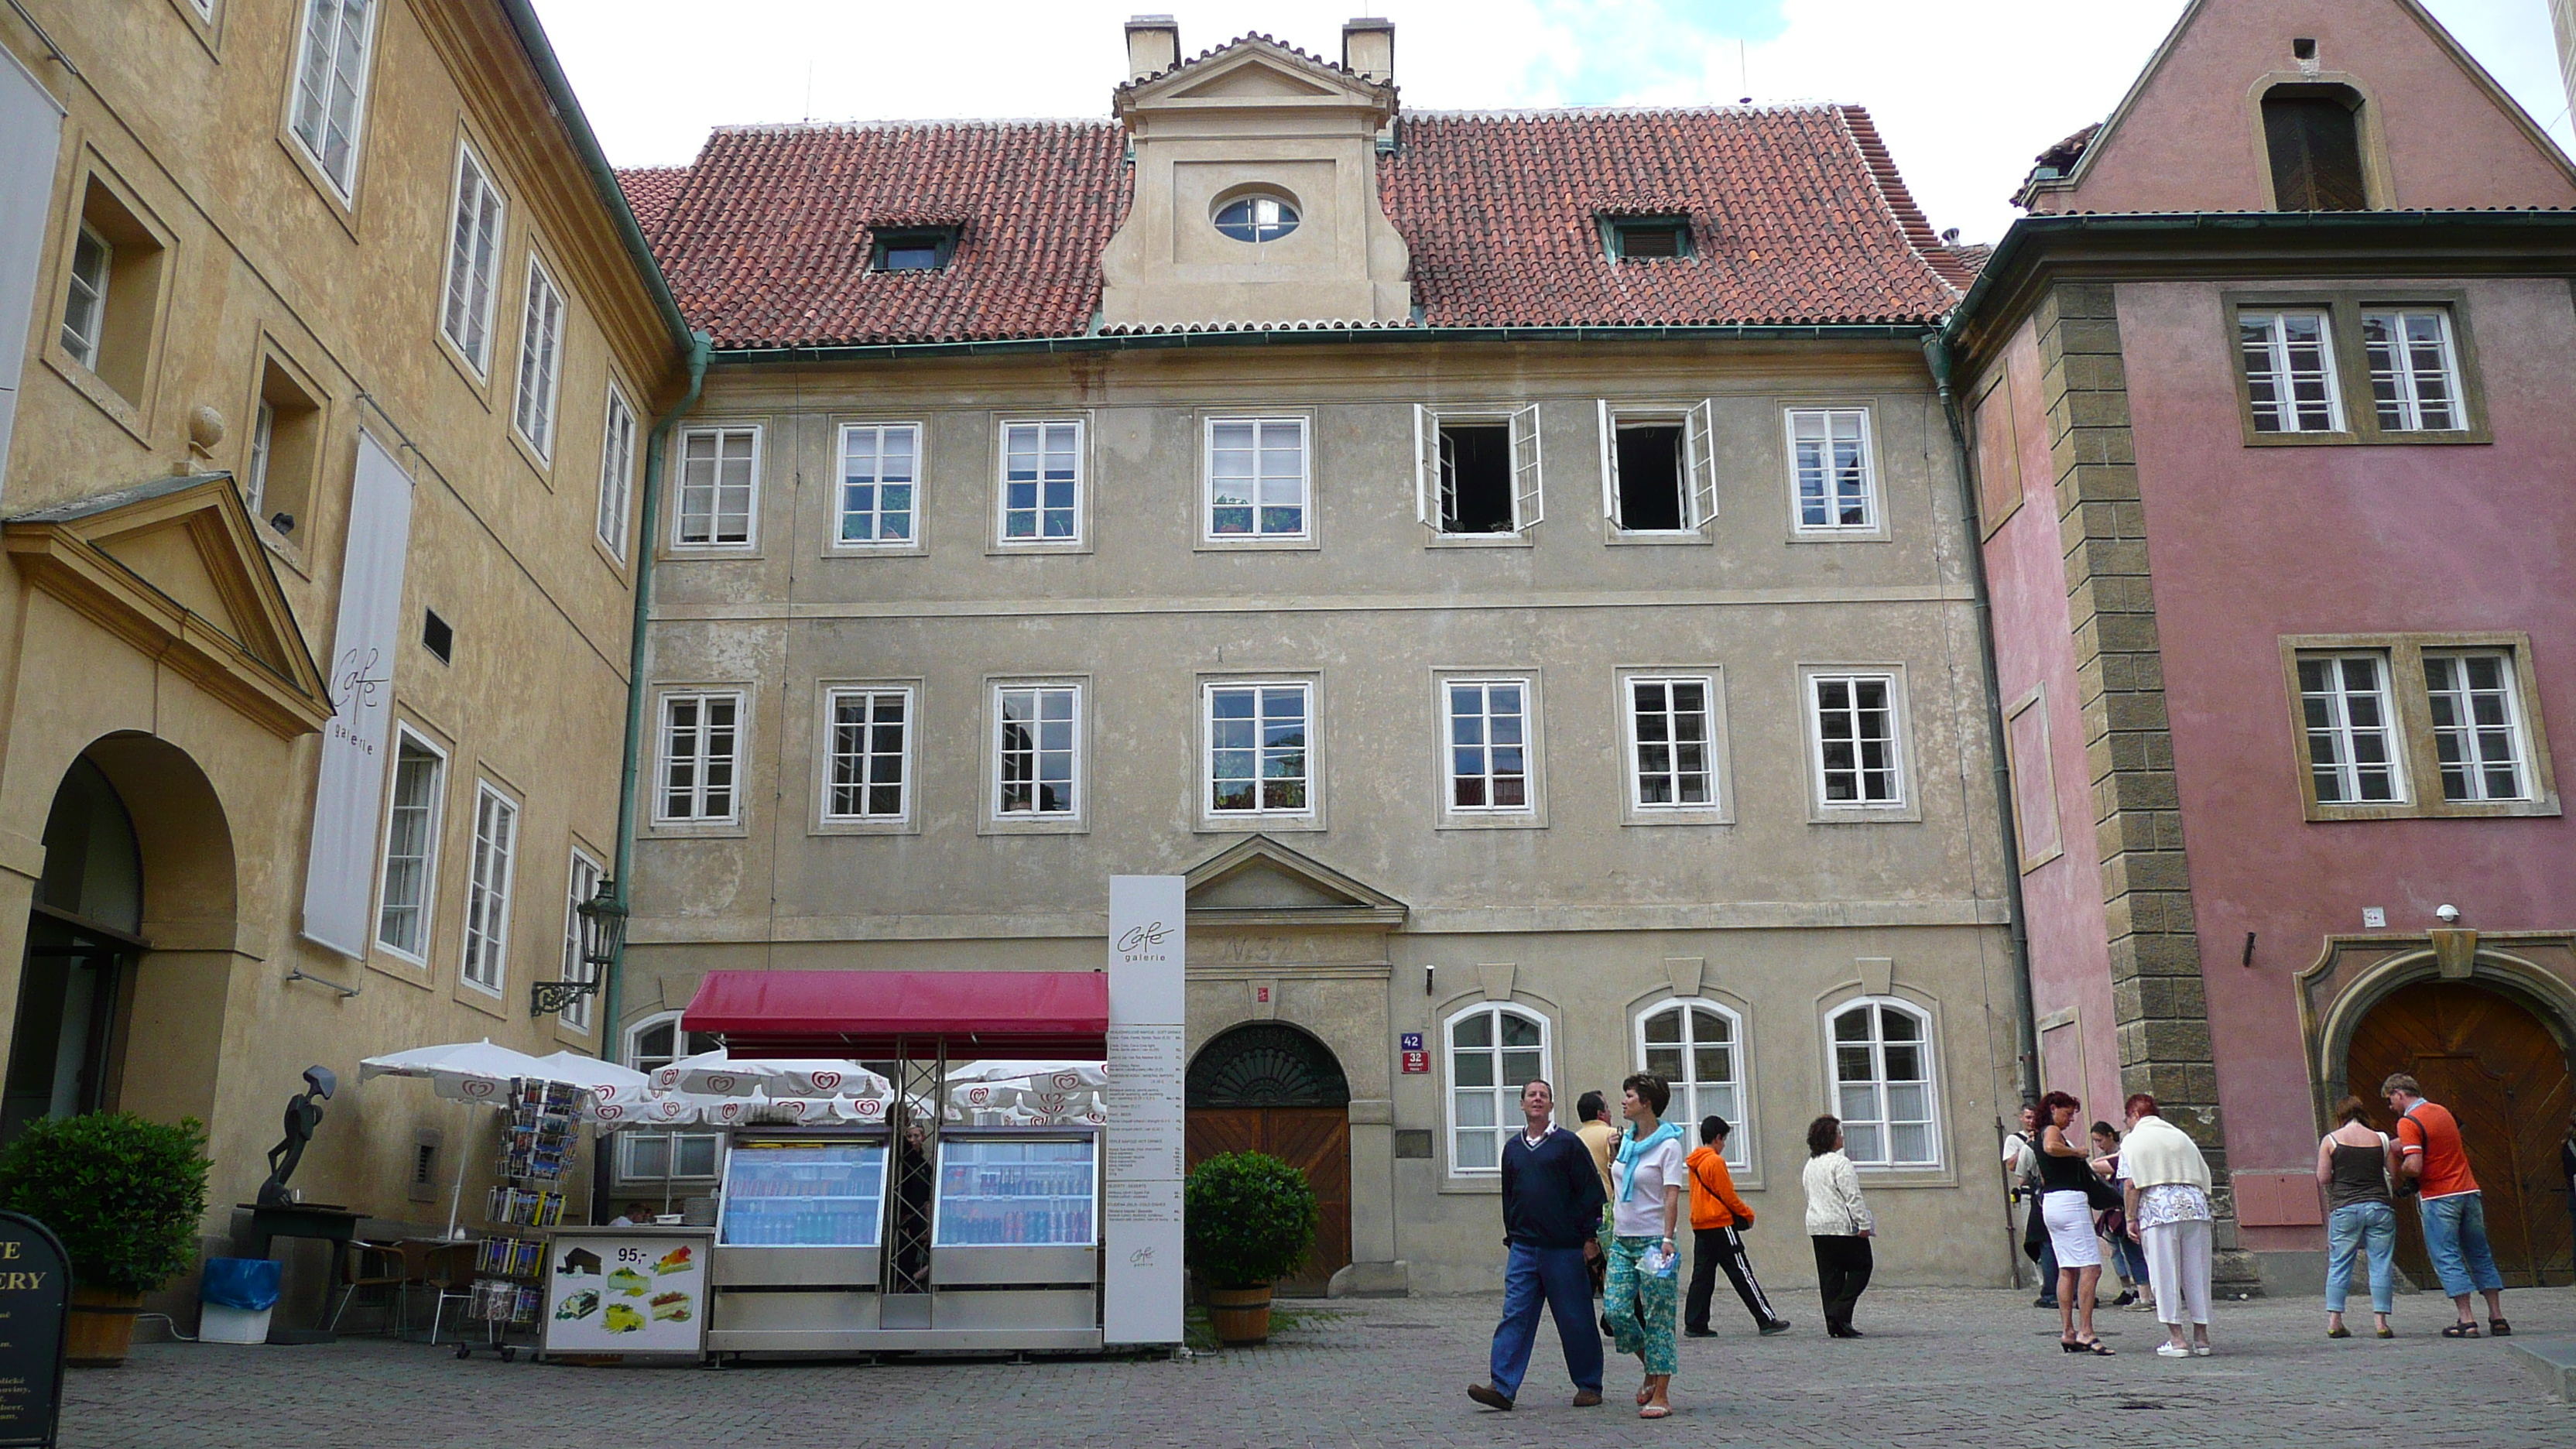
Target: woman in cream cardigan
column 1839, row 1223
column 2166, row 1183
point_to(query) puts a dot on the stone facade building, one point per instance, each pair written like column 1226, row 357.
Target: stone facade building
column 332, row 352
column 2271, row 419
column 1515, row 565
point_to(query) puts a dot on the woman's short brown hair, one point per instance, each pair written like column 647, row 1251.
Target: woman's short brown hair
column 2141, row 1105
column 1651, row 1088
column 2049, row 1104
column 2352, row 1109
column 1822, row 1134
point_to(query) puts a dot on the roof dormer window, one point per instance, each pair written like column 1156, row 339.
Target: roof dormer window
column 913, row 249
column 1258, row 217
column 1646, row 238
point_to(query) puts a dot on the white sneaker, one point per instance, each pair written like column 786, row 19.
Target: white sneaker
column 2169, row 1350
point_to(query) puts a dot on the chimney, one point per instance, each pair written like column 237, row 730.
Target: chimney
column 1153, row 45
column 1368, row 47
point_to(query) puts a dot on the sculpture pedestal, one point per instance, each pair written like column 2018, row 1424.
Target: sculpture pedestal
column 327, row 1222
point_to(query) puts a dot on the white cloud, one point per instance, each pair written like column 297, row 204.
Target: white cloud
column 1965, row 93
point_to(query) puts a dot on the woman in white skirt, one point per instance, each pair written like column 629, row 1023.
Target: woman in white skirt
column 2066, row 1204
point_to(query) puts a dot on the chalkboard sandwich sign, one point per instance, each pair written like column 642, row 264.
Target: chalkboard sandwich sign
column 35, row 1292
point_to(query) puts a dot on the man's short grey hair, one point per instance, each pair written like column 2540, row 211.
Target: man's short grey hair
column 2400, row 1082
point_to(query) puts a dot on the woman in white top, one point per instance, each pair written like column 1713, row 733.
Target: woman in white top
column 1645, row 1209
column 1839, row 1223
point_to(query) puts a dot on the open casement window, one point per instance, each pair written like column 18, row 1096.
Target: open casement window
column 1493, row 1051
column 657, row 1041
column 1658, row 469
column 1477, row 474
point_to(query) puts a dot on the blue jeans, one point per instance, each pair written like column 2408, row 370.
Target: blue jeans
column 2354, row 1228
column 2129, row 1259
column 1559, row 1278
column 2455, row 1235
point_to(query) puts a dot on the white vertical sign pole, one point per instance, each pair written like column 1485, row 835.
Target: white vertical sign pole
column 340, row 877
column 1148, row 1042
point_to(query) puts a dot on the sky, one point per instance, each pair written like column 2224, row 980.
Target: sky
column 1965, row 92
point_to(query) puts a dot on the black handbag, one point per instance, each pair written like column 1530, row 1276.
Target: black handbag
column 2102, row 1196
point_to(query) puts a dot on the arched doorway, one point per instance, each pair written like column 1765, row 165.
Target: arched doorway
column 1268, row 1087
column 2504, row 1074
column 75, row 988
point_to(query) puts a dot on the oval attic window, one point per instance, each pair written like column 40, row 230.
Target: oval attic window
column 1257, row 218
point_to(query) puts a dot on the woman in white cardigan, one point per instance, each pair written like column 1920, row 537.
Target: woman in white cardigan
column 2166, row 1184
column 1838, row 1222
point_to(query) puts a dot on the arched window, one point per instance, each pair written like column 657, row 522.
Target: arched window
column 2313, row 136
column 657, row 1041
column 1494, row 1051
column 1883, row 1084
column 1697, row 1047
column 1257, row 218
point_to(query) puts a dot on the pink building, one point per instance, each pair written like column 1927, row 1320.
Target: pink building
column 2274, row 431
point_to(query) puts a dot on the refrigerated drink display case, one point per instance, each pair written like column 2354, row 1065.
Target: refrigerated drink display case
column 799, row 1234
column 1014, row 1241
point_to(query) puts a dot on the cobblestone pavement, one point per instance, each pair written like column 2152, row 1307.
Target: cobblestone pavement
column 1939, row 1367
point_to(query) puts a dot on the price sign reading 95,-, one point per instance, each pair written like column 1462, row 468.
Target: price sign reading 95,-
column 35, row 1286
column 609, row 1292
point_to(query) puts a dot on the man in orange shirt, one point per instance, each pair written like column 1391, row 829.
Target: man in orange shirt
column 2452, row 1208
column 1718, row 1217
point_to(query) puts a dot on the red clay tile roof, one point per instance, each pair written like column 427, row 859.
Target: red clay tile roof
column 650, row 190
column 1797, row 217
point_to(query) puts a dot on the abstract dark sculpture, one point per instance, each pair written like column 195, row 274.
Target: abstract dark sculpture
column 302, row 1116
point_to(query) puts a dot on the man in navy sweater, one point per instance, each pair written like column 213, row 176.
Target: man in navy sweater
column 1551, row 1217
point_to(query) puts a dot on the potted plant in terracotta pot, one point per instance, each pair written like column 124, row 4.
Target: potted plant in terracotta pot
column 1248, row 1219
column 125, row 1195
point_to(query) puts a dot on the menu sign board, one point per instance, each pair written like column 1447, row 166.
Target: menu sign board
column 615, row 1290
column 1140, row 1200
column 35, row 1286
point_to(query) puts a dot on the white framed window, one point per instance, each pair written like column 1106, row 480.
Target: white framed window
column 1487, row 745
column 1042, row 478
column 1856, row 751
column 582, row 884
column 1259, row 755
column 1478, row 473
column 616, row 473
column 1697, row 1047
column 329, row 108
column 658, row 1041
column 1494, row 1050
column 701, row 758
column 1658, row 468
column 2477, row 726
column 1672, row 741
column 719, row 486
column 2290, row 371
column 473, row 261
column 1833, row 470
column 2352, row 745
column 880, row 473
column 2414, row 369
column 85, row 300
column 487, row 889
column 540, row 361
column 1883, row 1083
column 1037, row 751
column 408, row 885
column 870, row 771
column 263, row 445
column 1259, row 480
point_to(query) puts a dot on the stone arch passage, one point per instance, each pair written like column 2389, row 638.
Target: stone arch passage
column 1270, row 1087
column 2504, row 1074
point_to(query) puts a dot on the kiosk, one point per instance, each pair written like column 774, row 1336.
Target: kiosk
column 924, row 1231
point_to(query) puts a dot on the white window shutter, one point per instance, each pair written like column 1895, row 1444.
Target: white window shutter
column 1699, row 442
column 1529, row 501
column 1427, row 472
column 1609, row 464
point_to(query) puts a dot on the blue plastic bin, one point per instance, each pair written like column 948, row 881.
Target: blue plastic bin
column 237, row 1294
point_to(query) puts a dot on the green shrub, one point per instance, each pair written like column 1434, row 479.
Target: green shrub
column 124, row 1194
column 1248, row 1218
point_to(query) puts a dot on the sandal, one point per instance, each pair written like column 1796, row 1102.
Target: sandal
column 2498, row 1328
column 2338, row 1331
column 2093, row 1346
column 2461, row 1330
column 1655, row 1411
column 1645, row 1396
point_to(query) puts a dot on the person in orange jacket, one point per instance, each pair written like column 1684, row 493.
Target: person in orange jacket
column 1718, row 1218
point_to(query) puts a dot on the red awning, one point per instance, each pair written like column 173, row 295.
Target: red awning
column 863, row 1013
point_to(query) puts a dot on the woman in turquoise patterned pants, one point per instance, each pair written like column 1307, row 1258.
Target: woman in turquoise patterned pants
column 1645, row 1208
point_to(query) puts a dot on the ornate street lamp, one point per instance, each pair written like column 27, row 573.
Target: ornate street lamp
column 603, row 936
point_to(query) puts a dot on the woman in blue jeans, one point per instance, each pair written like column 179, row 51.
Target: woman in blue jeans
column 2353, row 1166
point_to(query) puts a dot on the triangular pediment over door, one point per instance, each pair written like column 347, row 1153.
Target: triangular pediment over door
column 1260, row 882
column 175, row 568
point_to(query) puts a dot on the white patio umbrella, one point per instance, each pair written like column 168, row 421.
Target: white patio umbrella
column 1043, row 1075
column 476, row 1071
column 607, row 1083
column 719, row 1074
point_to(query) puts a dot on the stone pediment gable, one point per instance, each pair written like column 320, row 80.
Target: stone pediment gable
column 1260, row 881
column 1257, row 70
column 176, row 569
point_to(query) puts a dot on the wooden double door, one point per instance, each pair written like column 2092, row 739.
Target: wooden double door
column 1316, row 1141
column 2505, row 1077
